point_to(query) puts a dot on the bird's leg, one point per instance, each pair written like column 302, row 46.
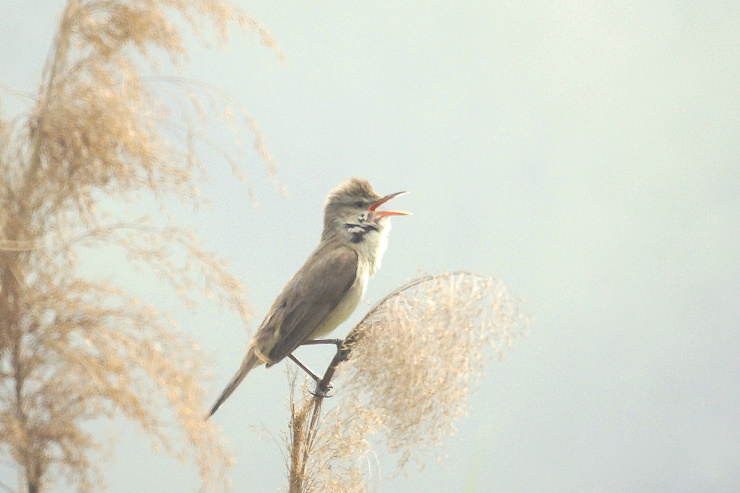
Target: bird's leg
column 319, row 392
column 337, row 342
column 342, row 354
column 303, row 367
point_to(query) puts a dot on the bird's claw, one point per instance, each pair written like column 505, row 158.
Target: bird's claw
column 321, row 392
column 342, row 355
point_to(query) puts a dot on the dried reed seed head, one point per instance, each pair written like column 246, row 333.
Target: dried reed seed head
column 422, row 350
column 329, row 452
column 99, row 129
column 417, row 355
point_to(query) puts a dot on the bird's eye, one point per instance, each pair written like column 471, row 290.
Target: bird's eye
column 359, row 203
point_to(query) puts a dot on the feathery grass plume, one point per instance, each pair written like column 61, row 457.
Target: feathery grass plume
column 73, row 350
column 413, row 360
column 327, row 452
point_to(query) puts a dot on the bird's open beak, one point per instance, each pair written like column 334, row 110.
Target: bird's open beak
column 377, row 215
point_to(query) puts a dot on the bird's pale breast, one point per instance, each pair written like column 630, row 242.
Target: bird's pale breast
column 347, row 305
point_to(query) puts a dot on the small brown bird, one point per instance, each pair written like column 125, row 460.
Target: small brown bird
column 330, row 285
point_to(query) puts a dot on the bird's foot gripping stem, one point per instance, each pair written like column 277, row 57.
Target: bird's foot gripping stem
column 321, row 392
column 322, row 389
column 322, row 384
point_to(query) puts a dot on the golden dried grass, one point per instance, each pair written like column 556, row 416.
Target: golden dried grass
column 414, row 359
column 74, row 350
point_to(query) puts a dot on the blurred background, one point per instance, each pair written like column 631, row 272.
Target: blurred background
column 585, row 153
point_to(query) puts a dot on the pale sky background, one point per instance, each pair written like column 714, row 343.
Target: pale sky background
column 586, row 153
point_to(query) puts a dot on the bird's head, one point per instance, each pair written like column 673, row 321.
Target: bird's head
column 352, row 213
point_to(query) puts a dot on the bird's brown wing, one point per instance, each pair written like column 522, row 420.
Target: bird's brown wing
column 309, row 298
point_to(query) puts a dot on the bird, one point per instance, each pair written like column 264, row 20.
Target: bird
column 330, row 284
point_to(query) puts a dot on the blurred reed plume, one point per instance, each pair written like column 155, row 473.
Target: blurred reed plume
column 101, row 129
column 413, row 360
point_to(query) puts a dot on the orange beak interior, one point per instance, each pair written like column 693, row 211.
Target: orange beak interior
column 379, row 214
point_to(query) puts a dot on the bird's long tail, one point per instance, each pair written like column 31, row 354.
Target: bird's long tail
column 250, row 361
